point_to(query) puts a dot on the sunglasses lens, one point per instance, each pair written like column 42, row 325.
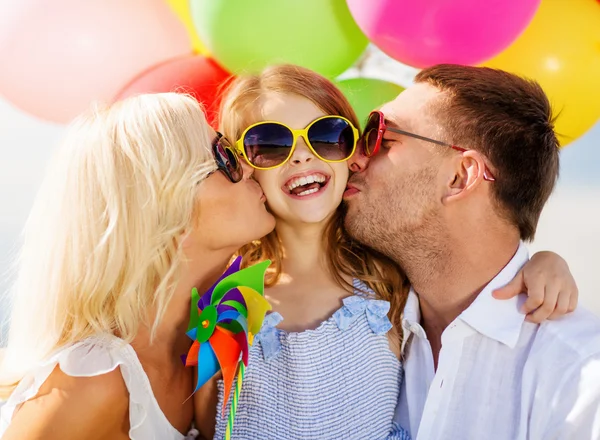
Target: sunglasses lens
column 332, row 138
column 268, row 145
column 227, row 160
column 233, row 166
column 371, row 134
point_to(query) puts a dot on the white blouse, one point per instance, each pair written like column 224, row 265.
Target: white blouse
column 93, row 357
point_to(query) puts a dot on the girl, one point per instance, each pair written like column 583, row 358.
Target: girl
column 142, row 203
column 327, row 363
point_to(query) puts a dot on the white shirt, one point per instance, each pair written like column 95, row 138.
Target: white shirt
column 500, row 377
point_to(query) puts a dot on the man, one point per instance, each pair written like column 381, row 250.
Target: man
column 467, row 161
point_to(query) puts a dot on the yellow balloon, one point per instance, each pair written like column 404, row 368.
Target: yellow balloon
column 182, row 9
column 561, row 50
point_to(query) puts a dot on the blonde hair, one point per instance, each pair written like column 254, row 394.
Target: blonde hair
column 102, row 243
column 346, row 258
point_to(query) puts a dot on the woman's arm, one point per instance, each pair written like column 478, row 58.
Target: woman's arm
column 67, row 407
column 549, row 285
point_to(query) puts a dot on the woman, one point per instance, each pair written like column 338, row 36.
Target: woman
column 327, row 364
column 142, row 202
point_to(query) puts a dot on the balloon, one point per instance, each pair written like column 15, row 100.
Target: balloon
column 58, row 56
column 422, row 33
column 247, row 36
column 367, row 94
column 561, row 50
column 197, row 75
column 182, row 9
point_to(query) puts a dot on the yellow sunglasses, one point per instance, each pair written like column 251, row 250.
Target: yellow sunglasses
column 269, row 144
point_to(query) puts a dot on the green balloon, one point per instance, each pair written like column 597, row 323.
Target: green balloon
column 245, row 36
column 367, row 94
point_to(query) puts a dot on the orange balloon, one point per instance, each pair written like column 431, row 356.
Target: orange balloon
column 561, row 50
column 182, row 9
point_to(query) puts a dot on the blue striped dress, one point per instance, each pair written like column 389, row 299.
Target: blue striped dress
column 339, row 381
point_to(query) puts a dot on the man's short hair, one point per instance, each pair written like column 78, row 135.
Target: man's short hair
column 509, row 120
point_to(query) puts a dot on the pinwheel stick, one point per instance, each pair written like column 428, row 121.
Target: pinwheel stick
column 223, row 322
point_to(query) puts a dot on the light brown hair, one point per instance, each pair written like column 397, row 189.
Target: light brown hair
column 345, row 257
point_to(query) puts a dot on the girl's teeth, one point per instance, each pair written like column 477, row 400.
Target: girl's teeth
column 300, row 181
column 308, row 191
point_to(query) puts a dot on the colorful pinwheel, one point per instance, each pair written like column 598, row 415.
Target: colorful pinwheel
column 222, row 325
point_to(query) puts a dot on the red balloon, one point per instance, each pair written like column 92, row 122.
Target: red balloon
column 196, row 75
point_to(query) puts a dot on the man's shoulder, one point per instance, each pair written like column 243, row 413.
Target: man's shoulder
column 573, row 337
column 560, row 376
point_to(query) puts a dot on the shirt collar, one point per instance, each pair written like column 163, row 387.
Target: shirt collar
column 412, row 309
column 411, row 319
column 497, row 319
column 500, row 320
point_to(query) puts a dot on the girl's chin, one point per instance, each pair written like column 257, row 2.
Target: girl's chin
column 312, row 217
column 304, row 213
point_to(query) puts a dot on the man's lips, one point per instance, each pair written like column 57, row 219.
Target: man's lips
column 351, row 190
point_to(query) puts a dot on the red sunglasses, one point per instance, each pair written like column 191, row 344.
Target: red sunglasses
column 376, row 127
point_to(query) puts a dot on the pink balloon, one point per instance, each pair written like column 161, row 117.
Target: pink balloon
column 422, row 33
column 58, row 56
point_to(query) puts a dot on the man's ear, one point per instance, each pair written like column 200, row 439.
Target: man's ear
column 467, row 171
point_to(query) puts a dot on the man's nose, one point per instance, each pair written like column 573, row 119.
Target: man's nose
column 358, row 162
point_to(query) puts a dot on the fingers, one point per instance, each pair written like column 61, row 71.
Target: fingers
column 550, row 293
column 546, row 301
column 549, row 302
column 573, row 300
column 512, row 289
column 538, row 296
column 562, row 306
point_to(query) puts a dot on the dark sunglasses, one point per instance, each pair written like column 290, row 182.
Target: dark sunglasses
column 270, row 144
column 226, row 159
column 376, row 127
